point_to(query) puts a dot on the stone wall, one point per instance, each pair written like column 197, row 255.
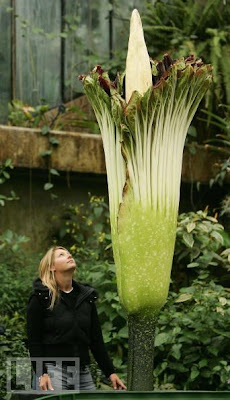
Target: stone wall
column 35, row 214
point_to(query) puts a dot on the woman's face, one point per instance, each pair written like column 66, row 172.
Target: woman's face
column 63, row 261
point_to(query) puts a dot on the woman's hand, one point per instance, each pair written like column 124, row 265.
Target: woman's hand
column 116, row 382
column 45, row 382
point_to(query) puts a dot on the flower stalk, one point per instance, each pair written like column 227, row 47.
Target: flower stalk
column 144, row 123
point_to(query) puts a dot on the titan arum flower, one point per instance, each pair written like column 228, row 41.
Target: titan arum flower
column 144, row 117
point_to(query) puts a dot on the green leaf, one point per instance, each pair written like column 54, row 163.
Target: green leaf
column 54, row 172
column 176, row 353
column 8, row 162
column 205, row 227
column 98, row 227
column 221, row 332
column 203, row 275
column 160, row 368
column 107, row 326
column 211, row 182
column 48, row 186
column 194, row 374
column 64, row 35
column 161, row 338
column 6, row 175
column 212, row 219
column 190, row 227
column 176, row 330
column 203, row 363
column 188, row 239
column 193, row 265
column 213, row 350
column 107, row 336
column 218, row 237
column 45, row 130
column 184, row 297
column 123, row 332
column 98, row 211
column 54, row 141
column 45, row 153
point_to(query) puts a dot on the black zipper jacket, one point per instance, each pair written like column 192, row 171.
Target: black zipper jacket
column 70, row 329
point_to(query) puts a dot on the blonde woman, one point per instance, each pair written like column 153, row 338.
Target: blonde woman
column 62, row 322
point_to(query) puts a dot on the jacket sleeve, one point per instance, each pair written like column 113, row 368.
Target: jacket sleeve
column 98, row 346
column 35, row 329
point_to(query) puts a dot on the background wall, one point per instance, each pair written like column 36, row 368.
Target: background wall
column 34, row 213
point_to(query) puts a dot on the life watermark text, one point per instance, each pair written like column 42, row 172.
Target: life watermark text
column 63, row 373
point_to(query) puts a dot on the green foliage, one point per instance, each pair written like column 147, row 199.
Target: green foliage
column 199, row 246
column 40, row 116
column 195, row 27
column 11, row 242
column 4, row 176
column 192, row 341
column 222, row 123
column 225, row 207
column 85, row 230
column 222, row 174
column 21, row 114
column 222, row 140
column 17, row 271
column 12, row 345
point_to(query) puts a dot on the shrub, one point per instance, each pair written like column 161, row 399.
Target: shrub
column 85, row 230
column 192, row 339
column 201, row 247
column 17, row 271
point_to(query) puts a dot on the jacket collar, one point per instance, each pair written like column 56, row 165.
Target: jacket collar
column 83, row 290
column 39, row 287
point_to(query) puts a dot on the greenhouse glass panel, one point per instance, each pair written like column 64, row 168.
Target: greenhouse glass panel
column 87, row 41
column 38, row 51
column 5, row 58
column 121, row 21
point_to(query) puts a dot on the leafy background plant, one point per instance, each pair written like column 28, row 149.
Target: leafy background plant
column 4, row 176
column 17, row 271
column 192, row 339
column 197, row 27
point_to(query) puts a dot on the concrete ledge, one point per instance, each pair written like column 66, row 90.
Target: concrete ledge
column 202, row 163
column 83, row 152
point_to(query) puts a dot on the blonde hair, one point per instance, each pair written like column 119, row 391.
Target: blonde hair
column 47, row 276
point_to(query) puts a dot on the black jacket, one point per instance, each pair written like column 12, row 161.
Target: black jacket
column 67, row 330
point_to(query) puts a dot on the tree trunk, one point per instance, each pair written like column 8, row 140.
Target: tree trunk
column 141, row 351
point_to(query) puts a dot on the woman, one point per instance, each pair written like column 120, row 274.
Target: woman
column 62, row 322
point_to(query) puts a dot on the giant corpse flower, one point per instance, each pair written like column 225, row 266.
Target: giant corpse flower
column 144, row 117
